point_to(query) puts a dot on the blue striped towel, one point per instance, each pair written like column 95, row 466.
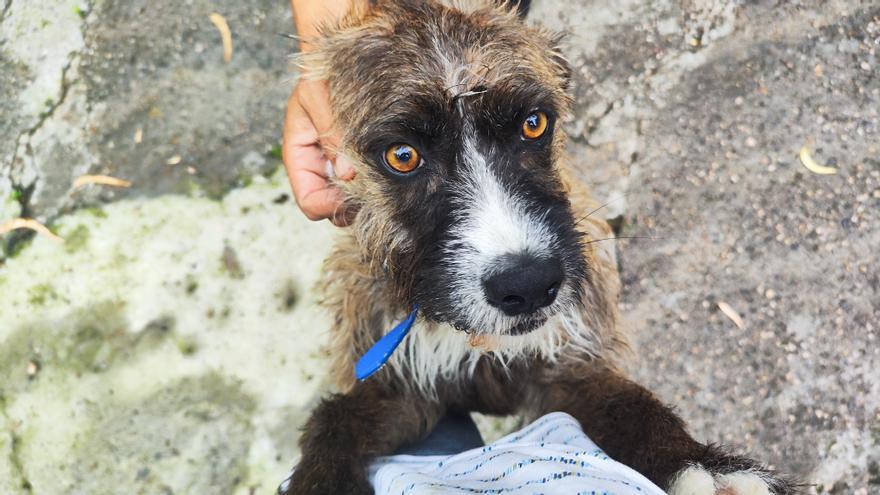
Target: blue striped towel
column 550, row 456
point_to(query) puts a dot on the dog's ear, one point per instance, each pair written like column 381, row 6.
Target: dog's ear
column 521, row 6
column 560, row 62
column 332, row 38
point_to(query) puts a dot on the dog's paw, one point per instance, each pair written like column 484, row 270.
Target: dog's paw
column 696, row 480
column 284, row 487
column 322, row 482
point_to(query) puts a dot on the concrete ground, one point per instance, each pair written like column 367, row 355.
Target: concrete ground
column 171, row 345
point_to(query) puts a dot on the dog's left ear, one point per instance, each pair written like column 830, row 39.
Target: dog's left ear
column 560, row 63
column 563, row 69
column 521, row 6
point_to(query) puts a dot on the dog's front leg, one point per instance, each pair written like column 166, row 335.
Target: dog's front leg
column 635, row 428
column 347, row 430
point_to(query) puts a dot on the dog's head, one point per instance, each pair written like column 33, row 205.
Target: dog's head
column 452, row 116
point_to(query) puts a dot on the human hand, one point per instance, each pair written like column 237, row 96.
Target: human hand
column 309, row 145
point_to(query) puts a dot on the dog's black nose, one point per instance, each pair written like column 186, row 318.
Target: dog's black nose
column 524, row 284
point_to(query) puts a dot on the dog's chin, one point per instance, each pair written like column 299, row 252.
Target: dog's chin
column 523, row 326
column 526, row 326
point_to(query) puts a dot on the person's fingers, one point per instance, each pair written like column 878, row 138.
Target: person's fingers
column 299, row 130
column 318, row 204
column 314, row 96
column 306, row 164
column 343, row 168
column 315, row 99
column 309, row 140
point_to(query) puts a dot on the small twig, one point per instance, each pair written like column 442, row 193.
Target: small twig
column 31, row 224
column 104, row 180
column 810, row 164
column 225, row 35
column 731, row 313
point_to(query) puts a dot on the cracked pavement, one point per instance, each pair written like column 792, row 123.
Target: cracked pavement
column 689, row 118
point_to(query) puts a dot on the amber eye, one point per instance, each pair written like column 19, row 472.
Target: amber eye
column 402, row 158
column 535, row 125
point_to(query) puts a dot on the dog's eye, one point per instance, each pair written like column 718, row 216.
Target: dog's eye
column 402, row 158
column 535, row 125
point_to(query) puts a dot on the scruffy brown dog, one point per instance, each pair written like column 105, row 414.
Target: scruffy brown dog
column 451, row 113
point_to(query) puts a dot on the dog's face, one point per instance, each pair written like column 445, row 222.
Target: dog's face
column 454, row 119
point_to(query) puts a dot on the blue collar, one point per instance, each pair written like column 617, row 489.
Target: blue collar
column 382, row 350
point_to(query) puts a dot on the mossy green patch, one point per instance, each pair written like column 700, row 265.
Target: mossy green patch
column 95, row 212
column 41, row 294
column 141, row 442
column 245, row 179
column 194, row 189
column 275, row 152
column 76, row 239
column 187, row 345
column 191, row 285
column 90, row 340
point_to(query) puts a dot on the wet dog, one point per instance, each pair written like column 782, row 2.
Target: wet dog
column 451, row 112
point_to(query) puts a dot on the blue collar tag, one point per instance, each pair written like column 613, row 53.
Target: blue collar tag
column 382, row 350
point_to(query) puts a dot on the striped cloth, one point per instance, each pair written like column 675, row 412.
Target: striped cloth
column 550, row 456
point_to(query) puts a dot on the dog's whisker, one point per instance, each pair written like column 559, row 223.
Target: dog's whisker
column 449, row 88
column 598, row 208
column 651, row 237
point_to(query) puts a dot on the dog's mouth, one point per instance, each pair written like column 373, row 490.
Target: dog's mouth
column 526, row 326
column 522, row 326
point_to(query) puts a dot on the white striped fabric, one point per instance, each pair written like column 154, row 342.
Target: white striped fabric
column 550, row 456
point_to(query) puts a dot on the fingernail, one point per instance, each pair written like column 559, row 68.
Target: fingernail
column 344, row 168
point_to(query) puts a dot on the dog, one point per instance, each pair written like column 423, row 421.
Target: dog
column 452, row 111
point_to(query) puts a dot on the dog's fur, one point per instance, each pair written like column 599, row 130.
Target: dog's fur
column 455, row 79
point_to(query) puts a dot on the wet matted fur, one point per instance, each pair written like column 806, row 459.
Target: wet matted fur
column 456, row 81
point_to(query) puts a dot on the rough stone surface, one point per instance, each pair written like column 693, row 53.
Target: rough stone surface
column 694, row 114
column 160, row 349
column 171, row 345
column 137, row 89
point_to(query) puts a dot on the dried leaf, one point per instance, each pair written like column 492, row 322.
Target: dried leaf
column 104, row 180
column 731, row 313
column 31, row 224
column 225, row 35
column 812, row 166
